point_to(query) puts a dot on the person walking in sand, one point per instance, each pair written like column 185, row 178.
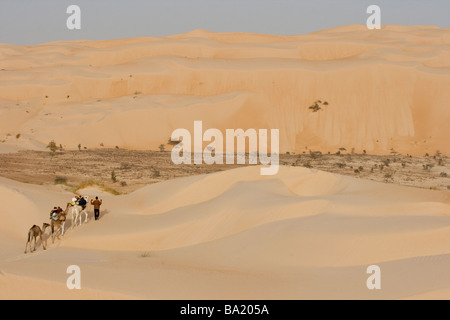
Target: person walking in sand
column 96, row 203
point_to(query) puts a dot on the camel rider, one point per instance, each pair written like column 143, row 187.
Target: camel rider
column 55, row 213
column 82, row 202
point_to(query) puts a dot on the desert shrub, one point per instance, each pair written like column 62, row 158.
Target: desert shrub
column 162, row 148
column 123, row 183
column 90, row 183
column 52, row 146
column 156, row 173
column 113, row 176
column 444, row 174
column 315, row 107
column 340, row 165
column 18, row 136
column 60, row 180
column 125, row 166
column 315, row 154
column 308, row 165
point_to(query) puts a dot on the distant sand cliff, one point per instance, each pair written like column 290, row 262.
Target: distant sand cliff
column 385, row 89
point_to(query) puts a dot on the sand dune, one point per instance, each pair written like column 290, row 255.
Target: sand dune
column 234, row 234
column 237, row 235
column 385, row 88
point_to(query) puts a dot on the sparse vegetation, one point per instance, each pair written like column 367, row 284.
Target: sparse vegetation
column 133, row 167
column 340, row 165
column 92, row 183
column 315, row 154
column 444, row 174
column 145, row 254
column 156, row 173
column 317, row 105
column 162, row 148
column 79, row 147
column 113, row 177
column 52, row 146
column 60, row 180
column 18, row 136
column 125, row 166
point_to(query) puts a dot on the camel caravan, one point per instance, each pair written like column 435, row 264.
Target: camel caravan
column 58, row 217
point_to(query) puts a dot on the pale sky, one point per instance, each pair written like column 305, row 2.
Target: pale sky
column 28, row 22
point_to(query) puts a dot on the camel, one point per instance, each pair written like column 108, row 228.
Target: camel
column 59, row 225
column 33, row 233
column 77, row 212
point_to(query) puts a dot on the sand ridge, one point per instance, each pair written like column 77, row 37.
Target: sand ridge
column 386, row 89
column 237, row 227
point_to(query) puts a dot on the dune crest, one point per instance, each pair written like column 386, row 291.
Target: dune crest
column 237, row 229
column 386, row 89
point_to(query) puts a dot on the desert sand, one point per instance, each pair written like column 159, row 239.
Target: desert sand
column 234, row 234
column 302, row 234
column 386, row 89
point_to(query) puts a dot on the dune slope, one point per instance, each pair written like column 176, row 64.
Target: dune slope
column 386, row 89
column 238, row 235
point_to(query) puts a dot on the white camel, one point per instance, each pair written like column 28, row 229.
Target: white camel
column 77, row 212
